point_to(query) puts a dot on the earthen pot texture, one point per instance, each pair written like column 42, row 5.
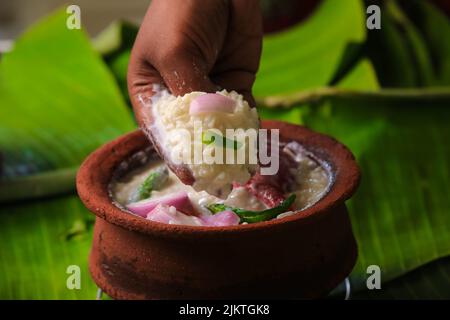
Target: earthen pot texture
column 305, row 255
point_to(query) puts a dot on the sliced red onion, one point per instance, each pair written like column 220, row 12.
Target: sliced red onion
column 161, row 213
column 224, row 218
column 165, row 214
column 211, row 102
column 179, row 200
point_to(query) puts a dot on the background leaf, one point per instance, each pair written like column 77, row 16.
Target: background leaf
column 361, row 77
column 409, row 50
column 58, row 101
column 400, row 213
column 432, row 25
column 389, row 52
column 115, row 44
column 37, row 244
column 314, row 47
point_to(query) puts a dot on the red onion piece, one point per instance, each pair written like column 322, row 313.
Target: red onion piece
column 179, row 200
column 211, row 102
column 224, row 218
column 162, row 213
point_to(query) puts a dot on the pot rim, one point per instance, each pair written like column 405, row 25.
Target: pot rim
column 92, row 185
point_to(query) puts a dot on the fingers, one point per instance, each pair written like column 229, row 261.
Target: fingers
column 184, row 72
column 182, row 40
column 209, row 46
column 141, row 78
column 239, row 60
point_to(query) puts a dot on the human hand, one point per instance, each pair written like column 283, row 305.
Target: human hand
column 194, row 45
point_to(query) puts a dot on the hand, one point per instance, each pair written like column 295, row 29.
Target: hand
column 194, row 45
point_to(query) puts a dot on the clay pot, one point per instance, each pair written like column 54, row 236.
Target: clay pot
column 301, row 256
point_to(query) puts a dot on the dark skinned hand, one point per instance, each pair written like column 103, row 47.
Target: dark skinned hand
column 194, row 45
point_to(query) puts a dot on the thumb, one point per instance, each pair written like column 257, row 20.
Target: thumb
column 141, row 78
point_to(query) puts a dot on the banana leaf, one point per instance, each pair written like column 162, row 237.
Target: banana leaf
column 410, row 50
column 39, row 240
column 58, row 102
column 315, row 47
column 432, row 25
column 361, row 77
column 400, row 214
column 418, row 50
column 114, row 44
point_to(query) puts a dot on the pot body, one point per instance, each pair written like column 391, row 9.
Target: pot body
column 304, row 255
column 297, row 260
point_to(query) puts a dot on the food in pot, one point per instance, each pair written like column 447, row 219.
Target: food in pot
column 189, row 129
column 302, row 180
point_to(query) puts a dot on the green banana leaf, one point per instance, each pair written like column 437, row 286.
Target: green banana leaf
column 315, row 47
column 388, row 51
column 410, row 49
column 400, row 214
column 433, row 25
column 114, row 44
column 58, row 102
column 117, row 37
column 361, row 77
column 39, row 240
column 419, row 52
